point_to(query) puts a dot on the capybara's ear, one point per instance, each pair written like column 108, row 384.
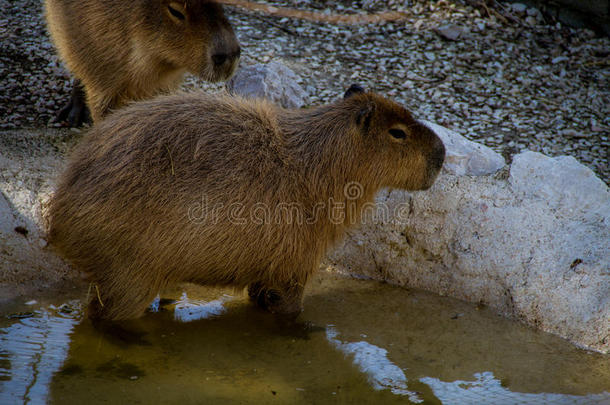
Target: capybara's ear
column 353, row 89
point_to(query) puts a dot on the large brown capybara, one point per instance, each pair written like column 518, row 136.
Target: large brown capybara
column 217, row 190
column 121, row 51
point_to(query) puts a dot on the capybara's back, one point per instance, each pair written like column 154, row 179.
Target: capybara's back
column 130, row 50
column 218, row 190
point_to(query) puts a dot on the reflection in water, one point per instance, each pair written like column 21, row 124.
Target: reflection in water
column 188, row 310
column 488, row 387
column 382, row 345
column 373, row 361
column 31, row 351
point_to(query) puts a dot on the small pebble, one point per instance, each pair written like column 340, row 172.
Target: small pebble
column 518, row 7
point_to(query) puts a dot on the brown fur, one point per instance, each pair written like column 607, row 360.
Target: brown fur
column 132, row 50
column 128, row 208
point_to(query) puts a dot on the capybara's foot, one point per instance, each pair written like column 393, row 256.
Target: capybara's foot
column 95, row 311
column 112, row 304
column 283, row 302
column 75, row 113
column 263, row 297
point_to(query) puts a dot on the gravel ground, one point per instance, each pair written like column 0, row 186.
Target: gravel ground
column 522, row 82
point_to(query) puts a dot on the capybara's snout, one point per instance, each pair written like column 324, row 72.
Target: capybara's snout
column 435, row 156
column 224, row 55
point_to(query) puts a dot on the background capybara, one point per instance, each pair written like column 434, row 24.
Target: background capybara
column 218, row 190
column 121, row 51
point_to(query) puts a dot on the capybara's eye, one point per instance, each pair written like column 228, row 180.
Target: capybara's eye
column 273, row 297
column 176, row 13
column 398, row 133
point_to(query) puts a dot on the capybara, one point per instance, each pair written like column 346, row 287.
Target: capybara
column 219, row 190
column 121, row 51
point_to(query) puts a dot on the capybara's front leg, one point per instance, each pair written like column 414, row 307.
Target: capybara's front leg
column 285, row 300
column 75, row 113
column 116, row 300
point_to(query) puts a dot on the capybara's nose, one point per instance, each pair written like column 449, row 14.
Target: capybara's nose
column 221, row 58
column 436, row 153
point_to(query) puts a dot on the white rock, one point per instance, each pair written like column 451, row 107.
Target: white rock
column 272, row 81
column 430, row 56
column 559, row 59
column 518, row 7
column 25, row 265
column 562, row 183
column 450, row 31
column 22, row 262
column 534, row 246
column 534, row 12
column 464, row 157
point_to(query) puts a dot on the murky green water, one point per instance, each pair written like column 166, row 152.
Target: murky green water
column 360, row 342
